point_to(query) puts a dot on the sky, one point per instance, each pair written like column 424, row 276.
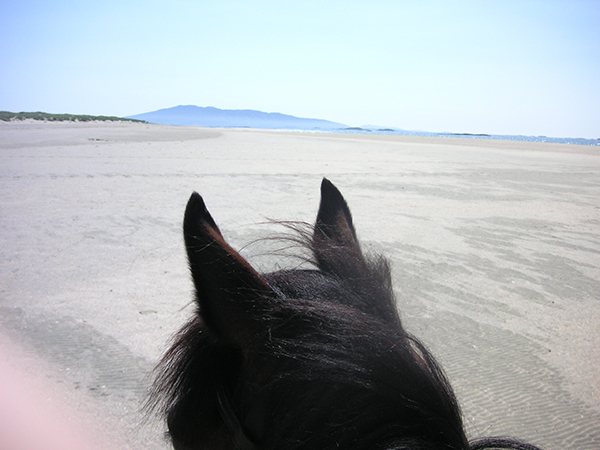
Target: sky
column 498, row 67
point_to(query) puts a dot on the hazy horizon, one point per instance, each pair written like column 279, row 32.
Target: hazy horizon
column 510, row 67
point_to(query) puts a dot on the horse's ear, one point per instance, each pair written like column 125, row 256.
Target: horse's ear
column 338, row 252
column 335, row 245
column 229, row 291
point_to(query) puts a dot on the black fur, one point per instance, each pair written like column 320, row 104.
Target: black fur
column 302, row 359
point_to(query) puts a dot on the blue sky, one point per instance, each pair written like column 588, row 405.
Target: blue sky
column 505, row 67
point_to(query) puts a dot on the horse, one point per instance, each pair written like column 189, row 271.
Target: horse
column 302, row 359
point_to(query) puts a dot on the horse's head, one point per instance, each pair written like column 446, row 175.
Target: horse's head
column 300, row 359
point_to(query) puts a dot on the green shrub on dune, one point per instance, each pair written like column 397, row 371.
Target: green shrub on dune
column 8, row 116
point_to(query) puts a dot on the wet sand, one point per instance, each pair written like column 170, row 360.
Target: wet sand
column 495, row 250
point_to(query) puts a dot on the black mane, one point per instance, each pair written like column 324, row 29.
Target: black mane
column 302, row 359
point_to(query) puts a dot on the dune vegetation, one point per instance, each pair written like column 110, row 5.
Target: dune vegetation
column 8, row 116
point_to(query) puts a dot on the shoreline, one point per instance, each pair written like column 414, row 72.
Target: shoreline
column 462, row 138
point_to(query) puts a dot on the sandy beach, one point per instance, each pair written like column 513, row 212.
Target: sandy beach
column 494, row 245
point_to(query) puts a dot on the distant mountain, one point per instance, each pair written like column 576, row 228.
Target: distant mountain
column 191, row 115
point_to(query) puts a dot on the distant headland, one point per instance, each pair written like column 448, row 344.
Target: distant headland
column 190, row 115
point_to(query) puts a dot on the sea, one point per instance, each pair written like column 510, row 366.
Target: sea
column 393, row 131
